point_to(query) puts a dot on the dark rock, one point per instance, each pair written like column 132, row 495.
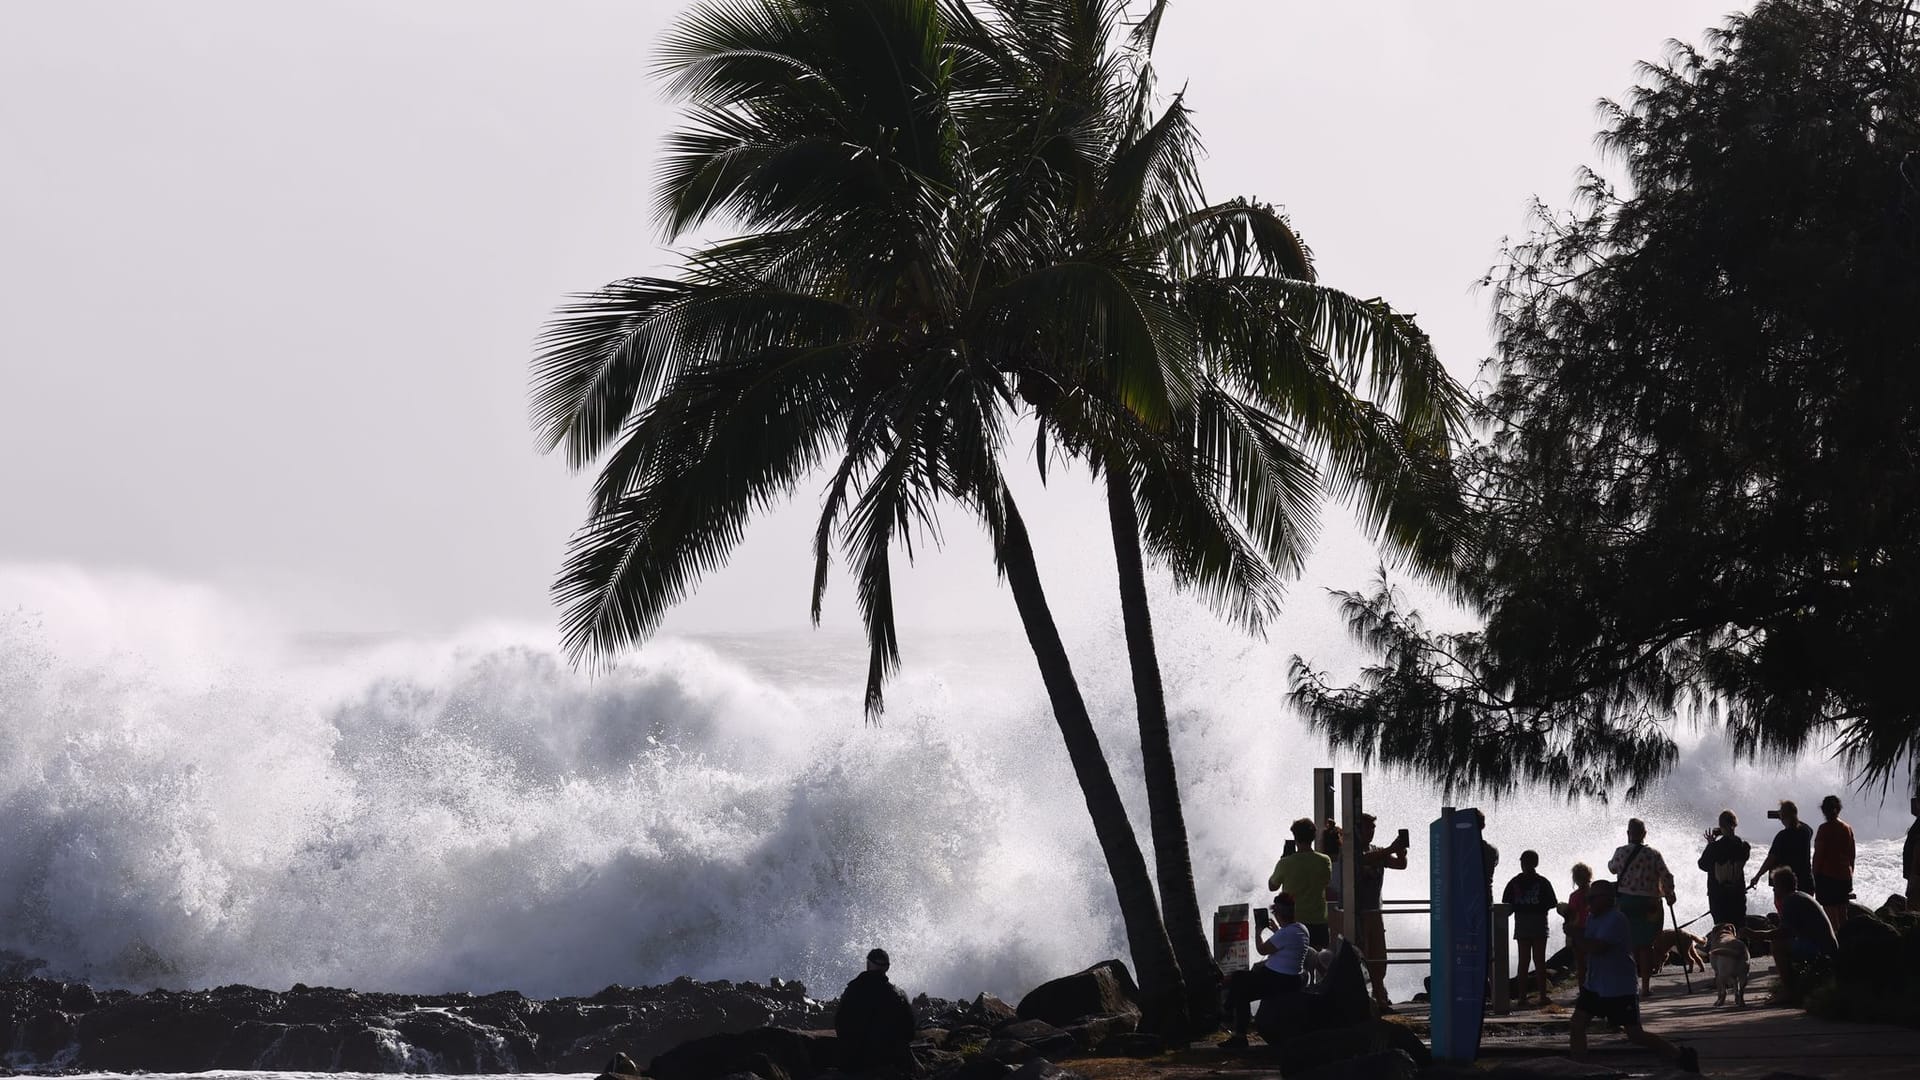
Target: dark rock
column 1789, row 1076
column 969, row 1034
column 1383, row 1065
column 1870, row 955
column 1133, row 1044
column 992, row 1010
column 935, row 1062
column 982, row 1067
column 1009, row 1051
column 933, row 1036
column 1104, row 989
column 1317, row 1050
column 768, row 1052
column 1042, row 1036
column 1091, row 1031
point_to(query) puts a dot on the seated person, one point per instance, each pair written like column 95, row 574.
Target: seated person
column 1804, row 934
column 1285, row 948
column 875, row 1024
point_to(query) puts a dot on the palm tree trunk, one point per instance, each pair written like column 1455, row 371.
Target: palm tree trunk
column 1173, row 862
column 1163, row 995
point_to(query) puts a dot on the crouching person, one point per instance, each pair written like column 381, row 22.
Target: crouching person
column 1285, row 948
column 1610, row 990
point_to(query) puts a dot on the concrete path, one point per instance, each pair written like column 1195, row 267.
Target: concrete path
column 1738, row 1044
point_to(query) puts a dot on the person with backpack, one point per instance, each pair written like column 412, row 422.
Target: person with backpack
column 1725, row 862
column 1643, row 882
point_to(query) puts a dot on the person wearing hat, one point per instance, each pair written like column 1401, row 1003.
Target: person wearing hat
column 1285, row 948
column 1833, row 862
column 875, row 1024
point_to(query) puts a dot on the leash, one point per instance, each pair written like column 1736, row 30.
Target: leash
column 1685, row 969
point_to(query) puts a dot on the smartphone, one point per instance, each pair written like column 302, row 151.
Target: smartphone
column 1287, row 848
column 1262, row 918
column 1402, row 839
column 1774, row 814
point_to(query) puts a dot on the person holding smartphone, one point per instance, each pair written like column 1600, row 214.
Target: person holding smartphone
column 1284, row 944
column 1370, row 876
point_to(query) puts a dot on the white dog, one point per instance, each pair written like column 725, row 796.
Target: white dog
column 1731, row 961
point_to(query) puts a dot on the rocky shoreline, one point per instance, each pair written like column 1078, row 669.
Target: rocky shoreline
column 48, row 1027
column 683, row 1030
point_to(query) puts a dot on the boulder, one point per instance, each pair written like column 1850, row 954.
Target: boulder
column 1091, row 1031
column 1382, row 1065
column 1040, row 1035
column 991, row 1010
column 1870, row 955
column 1132, row 1044
column 1008, row 1051
column 769, row 1053
column 1105, row 989
column 1316, row 1050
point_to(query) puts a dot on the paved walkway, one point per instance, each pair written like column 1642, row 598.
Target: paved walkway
column 1738, row 1044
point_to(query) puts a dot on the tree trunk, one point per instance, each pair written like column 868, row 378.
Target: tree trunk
column 1163, row 995
column 1173, row 862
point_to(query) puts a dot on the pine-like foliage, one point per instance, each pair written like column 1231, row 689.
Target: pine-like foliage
column 1699, row 493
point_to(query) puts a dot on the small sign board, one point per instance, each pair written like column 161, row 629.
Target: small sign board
column 1231, row 948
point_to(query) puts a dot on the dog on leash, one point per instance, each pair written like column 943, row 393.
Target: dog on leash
column 1670, row 943
column 1732, row 962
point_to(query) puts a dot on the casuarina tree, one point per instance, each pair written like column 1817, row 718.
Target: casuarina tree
column 1700, row 483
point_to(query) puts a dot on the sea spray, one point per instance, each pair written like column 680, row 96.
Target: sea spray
column 194, row 799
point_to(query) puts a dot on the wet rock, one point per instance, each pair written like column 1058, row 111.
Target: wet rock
column 1091, row 1031
column 1008, row 1051
column 1317, row 1050
column 1105, row 989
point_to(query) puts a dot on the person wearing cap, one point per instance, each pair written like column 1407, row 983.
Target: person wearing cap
column 875, row 1024
column 1285, row 948
column 1833, row 862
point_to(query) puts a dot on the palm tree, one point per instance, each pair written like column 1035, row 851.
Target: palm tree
column 859, row 322
column 1224, row 483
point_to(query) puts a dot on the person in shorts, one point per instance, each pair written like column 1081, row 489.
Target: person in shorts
column 1575, row 912
column 1532, row 900
column 1643, row 884
column 1803, row 935
column 1833, row 862
column 1368, row 880
column 1608, row 990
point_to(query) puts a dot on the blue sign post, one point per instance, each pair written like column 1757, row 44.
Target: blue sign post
column 1458, row 934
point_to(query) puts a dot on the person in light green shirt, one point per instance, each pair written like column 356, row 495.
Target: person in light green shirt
column 1305, row 873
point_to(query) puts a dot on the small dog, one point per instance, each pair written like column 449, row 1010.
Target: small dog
column 1731, row 963
column 1669, row 943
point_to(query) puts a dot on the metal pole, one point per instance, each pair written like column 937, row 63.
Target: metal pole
column 1354, row 918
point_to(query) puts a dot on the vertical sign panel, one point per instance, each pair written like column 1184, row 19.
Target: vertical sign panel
column 1231, row 949
column 1459, row 935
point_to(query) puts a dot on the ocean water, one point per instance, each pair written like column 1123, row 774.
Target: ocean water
column 194, row 797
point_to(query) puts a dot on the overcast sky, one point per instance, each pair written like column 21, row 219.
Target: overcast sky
column 270, row 272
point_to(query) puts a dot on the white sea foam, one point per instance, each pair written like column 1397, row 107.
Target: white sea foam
column 193, row 798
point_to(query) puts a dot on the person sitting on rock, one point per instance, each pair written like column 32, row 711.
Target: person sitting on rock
column 1804, row 934
column 875, row 1024
column 1285, row 948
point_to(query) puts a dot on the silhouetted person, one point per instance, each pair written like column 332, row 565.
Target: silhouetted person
column 1833, row 862
column 1285, row 948
column 1532, row 900
column 1644, row 882
column 875, row 1024
column 1725, row 861
column 1804, row 932
column 1575, row 910
column 1368, row 880
column 1792, row 848
column 1608, row 989
column 1910, row 855
column 1303, row 874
